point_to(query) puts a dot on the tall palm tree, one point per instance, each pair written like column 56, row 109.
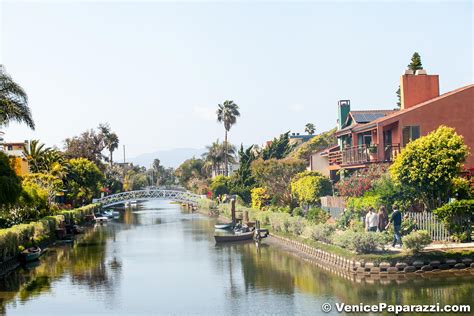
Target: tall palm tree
column 227, row 114
column 13, row 102
column 111, row 140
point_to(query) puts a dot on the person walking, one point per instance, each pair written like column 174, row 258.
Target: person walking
column 396, row 220
column 371, row 220
column 383, row 219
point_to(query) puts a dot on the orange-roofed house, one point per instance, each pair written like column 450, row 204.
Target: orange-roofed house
column 380, row 137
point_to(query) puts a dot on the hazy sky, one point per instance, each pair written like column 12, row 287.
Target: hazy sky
column 156, row 70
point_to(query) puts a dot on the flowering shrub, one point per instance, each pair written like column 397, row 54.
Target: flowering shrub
column 260, row 197
column 360, row 181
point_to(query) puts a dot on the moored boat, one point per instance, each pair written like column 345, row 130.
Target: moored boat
column 235, row 237
column 224, row 226
column 31, row 254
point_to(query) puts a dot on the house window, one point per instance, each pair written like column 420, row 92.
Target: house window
column 410, row 133
column 9, row 147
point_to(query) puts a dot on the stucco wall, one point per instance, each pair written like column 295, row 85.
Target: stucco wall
column 456, row 110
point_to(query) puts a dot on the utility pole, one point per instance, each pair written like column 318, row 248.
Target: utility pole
column 124, row 154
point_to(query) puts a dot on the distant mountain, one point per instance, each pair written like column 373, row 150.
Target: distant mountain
column 168, row 158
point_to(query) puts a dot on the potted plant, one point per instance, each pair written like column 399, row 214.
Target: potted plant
column 372, row 149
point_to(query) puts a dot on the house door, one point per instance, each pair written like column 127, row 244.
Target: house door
column 387, row 144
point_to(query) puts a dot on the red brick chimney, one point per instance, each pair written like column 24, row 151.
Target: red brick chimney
column 417, row 88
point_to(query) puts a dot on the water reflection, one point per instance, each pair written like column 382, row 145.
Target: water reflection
column 163, row 260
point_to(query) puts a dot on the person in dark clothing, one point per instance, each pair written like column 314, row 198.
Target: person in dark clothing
column 383, row 219
column 396, row 220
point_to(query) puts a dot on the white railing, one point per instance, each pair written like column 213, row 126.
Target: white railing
column 429, row 222
column 150, row 194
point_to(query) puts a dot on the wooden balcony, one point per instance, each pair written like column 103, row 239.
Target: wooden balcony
column 356, row 155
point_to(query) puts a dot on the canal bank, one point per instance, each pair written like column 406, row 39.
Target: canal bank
column 381, row 264
column 42, row 233
column 160, row 259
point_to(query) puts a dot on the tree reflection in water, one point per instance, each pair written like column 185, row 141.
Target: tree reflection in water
column 84, row 262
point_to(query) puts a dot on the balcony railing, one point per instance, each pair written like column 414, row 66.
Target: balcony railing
column 391, row 152
column 362, row 154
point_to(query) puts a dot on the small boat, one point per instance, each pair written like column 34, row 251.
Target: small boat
column 101, row 219
column 235, row 237
column 31, row 254
column 224, row 226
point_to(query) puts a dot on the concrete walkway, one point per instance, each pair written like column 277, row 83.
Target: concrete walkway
column 437, row 246
column 445, row 246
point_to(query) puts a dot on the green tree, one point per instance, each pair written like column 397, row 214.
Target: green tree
column 10, row 183
column 88, row 145
column 318, row 142
column 310, row 128
column 429, row 164
column 50, row 184
column 242, row 181
column 219, row 185
column 227, row 114
column 279, row 148
column 83, row 180
column 192, row 173
column 414, row 65
column 309, row 186
column 111, row 140
column 216, row 153
column 41, row 159
column 275, row 176
column 13, row 102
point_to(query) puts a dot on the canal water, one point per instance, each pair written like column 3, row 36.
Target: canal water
column 161, row 259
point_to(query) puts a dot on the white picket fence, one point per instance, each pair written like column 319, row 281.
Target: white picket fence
column 429, row 222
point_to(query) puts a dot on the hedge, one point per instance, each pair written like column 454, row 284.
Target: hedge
column 20, row 235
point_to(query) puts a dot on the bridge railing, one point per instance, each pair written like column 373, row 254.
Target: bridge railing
column 150, row 194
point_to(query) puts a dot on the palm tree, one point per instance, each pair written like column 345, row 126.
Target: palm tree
column 214, row 155
column 310, row 128
column 111, row 140
column 227, row 114
column 13, row 102
column 37, row 155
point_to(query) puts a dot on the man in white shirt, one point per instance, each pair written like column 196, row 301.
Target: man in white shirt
column 371, row 220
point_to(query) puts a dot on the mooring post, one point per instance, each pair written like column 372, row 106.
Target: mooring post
column 232, row 210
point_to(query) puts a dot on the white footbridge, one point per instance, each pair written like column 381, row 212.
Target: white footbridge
column 152, row 193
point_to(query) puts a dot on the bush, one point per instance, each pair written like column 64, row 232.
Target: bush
column 360, row 242
column 309, row 186
column 219, row 186
column 417, row 240
column 456, row 216
column 260, row 198
column 321, row 232
column 296, row 225
column 297, row 211
column 360, row 181
column 317, row 215
column 362, row 204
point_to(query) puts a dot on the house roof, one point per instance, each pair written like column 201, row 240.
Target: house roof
column 361, row 118
column 374, row 123
column 369, row 116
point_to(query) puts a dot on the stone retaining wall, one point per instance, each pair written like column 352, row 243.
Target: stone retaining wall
column 345, row 267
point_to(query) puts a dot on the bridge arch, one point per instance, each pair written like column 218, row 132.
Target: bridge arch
column 175, row 195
